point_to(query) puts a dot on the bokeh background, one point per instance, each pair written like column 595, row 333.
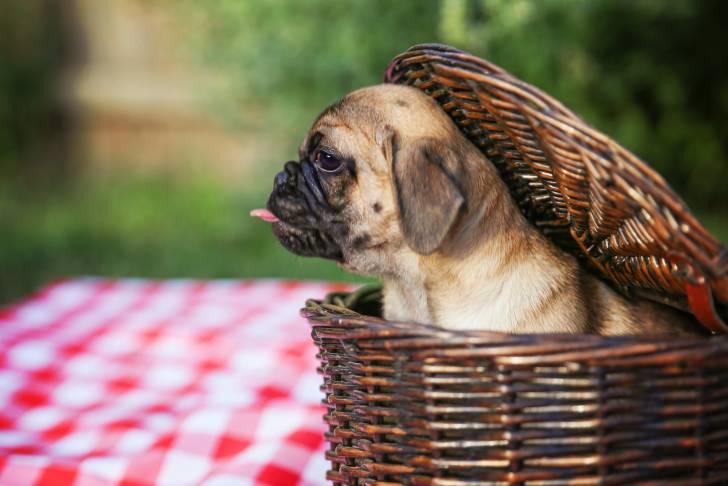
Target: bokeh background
column 135, row 135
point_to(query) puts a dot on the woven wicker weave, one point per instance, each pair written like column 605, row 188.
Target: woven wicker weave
column 588, row 193
column 413, row 404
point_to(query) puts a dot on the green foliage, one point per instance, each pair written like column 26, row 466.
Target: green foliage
column 293, row 58
column 651, row 74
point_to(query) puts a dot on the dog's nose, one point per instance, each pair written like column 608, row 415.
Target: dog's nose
column 281, row 178
column 286, row 176
column 291, row 167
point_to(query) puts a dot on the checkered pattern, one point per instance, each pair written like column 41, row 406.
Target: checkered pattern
column 171, row 383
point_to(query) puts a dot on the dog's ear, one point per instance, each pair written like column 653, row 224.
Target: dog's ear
column 428, row 193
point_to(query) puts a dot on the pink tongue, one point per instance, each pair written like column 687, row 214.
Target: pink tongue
column 263, row 214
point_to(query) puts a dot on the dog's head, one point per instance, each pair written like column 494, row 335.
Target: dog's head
column 382, row 171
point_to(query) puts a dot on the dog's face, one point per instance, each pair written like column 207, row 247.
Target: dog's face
column 381, row 175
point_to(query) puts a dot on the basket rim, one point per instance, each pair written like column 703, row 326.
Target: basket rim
column 346, row 324
column 379, row 339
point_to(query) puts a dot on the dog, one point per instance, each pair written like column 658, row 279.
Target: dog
column 387, row 186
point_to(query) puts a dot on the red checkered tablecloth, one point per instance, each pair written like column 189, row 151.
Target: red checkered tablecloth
column 169, row 383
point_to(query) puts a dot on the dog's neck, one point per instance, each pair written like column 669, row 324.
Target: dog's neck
column 518, row 272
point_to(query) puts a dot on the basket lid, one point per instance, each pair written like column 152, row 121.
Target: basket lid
column 589, row 194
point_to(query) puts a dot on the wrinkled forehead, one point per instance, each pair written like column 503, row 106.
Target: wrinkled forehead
column 363, row 112
column 350, row 115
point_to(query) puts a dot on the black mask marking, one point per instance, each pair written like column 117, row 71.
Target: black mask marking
column 308, row 225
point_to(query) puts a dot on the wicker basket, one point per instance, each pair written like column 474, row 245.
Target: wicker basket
column 415, row 404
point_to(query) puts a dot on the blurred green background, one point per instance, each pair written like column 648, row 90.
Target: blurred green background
column 135, row 135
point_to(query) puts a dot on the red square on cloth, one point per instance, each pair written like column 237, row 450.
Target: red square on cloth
column 170, row 383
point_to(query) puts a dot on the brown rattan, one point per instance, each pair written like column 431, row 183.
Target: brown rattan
column 588, row 193
column 415, row 404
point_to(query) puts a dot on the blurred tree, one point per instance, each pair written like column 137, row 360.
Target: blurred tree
column 649, row 73
column 304, row 55
column 35, row 48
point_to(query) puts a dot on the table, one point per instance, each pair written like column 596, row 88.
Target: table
column 171, row 383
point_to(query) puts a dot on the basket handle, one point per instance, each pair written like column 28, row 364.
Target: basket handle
column 699, row 293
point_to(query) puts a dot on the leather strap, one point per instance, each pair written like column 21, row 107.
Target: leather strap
column 699, row 294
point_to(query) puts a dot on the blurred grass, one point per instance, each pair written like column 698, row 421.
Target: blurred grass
column 142, row 226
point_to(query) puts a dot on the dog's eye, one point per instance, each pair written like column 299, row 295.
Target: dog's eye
column 327, row 162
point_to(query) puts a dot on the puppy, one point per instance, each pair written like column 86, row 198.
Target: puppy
column 388, row 186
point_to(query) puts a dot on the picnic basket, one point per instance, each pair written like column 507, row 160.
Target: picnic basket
column 409, row 403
